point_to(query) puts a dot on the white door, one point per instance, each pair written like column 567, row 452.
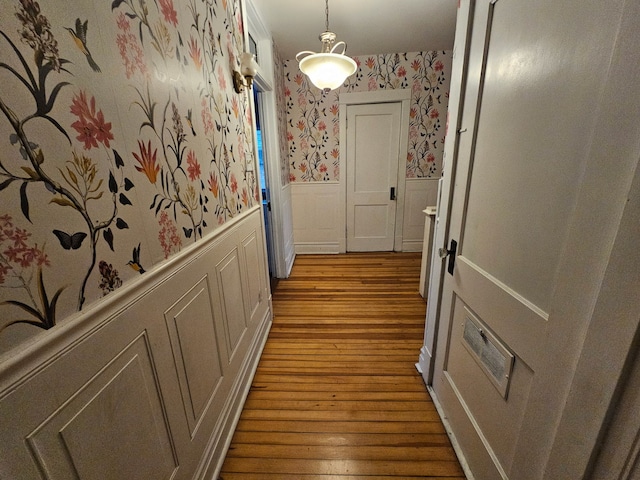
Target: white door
column 373, row 145
column 505, row 355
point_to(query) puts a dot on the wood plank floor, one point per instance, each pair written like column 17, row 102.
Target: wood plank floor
column 336, row 394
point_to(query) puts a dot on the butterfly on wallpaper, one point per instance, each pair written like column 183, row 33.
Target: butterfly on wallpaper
column 70, row 242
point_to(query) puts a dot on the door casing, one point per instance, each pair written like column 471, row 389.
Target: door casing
column 402, row 96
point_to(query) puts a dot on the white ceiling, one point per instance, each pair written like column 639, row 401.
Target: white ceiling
column 367, row 26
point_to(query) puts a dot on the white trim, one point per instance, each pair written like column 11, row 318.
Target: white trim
column 17, row 365
column 265, row 81
column 402, row 96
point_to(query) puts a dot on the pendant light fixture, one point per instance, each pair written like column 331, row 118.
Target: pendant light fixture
column 328, row 69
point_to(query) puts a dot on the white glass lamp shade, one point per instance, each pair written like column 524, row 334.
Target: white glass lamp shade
column 328, row 70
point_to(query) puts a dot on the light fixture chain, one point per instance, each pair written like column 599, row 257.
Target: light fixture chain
column 326, row 12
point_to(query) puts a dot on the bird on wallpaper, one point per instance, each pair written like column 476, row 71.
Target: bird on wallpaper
column 79, row 36
column 189, row 122
column 135, row 262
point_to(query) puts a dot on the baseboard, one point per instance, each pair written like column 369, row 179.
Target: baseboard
column 412, row 245
column 223, row 433
column 451, row 435
column 424, row 365
column 320, row 248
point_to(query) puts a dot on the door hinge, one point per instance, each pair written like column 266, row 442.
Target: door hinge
column 451, row 253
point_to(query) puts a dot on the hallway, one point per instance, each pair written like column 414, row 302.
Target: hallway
column 336, row 394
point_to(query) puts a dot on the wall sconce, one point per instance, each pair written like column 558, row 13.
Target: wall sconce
column 248, row 70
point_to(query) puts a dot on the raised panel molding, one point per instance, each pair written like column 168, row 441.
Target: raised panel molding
column 190, row 324
column 255, row 281
column 113, row 426
column 145, row 387
column 420, row 194
column 230, row 287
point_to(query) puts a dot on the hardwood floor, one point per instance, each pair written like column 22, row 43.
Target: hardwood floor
column 336, row 394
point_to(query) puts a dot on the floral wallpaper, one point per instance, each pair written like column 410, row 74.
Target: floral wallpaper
column 121, row 142
column 281, row 103
column 313, row 128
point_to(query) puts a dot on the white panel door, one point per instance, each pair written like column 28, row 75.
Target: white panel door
column 526, row 115
column 373, row 145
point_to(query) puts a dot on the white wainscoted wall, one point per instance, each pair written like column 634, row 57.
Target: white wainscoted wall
column 319, row 215
column 420, row 193
column 149, row 382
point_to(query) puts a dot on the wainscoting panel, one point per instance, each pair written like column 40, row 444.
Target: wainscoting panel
column 144, row 385
column 115, row 422
column 255, row 283
column 192, row 334
column 230, row 289
column 420, row 194
column 318, row 218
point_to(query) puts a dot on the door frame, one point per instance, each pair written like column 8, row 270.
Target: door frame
column 402, row 96
column 464, row 23
column 282, row 225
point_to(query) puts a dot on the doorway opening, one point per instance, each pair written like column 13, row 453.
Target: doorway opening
column 264, row 185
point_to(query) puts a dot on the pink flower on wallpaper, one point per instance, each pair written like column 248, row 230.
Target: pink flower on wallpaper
column 370, row 62
column 416, row 87
column 168, row 235
column 336, row 129
column 304, row 144
column 195, row 53
column 242, row 155
column 413, row 132
column 438, row 66
column 234, row 106
column 207, row 119
column 434, row 113
column 292, row 177
column 301, row 100
column 222, row 82
column 322, row 168
column 287, row 92
column 373, row 84
column 322, row 126
column 130, row 49
column 239, row 22
column 91, row 127
column 169, row 13
column 334, row 109
column 416, row 65
column 410, row 157
column 17, row 254
column 298, row 79
column 230, row 52
column 289, row 136
column 402, row 72
column 245, row 197
column 335, row 153
column 193, row 167
column 431, row 158
column 233, row 183
column 303, row 167
column 213, row 184
column 413, row 112
column 123, row 22
column 300, row 125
